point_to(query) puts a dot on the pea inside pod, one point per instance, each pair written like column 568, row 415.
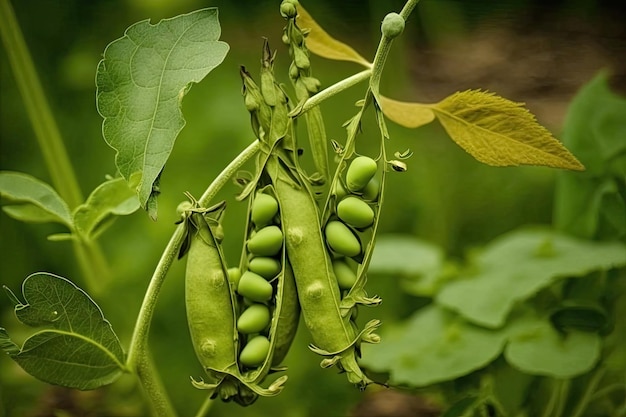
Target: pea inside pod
column 264, row 208
column 266, row 242
column 355, row 212
column 254, row 287
column 255, row 351
column 360, row 172
column 254, row 319
column 341, row 239
column 265, row 266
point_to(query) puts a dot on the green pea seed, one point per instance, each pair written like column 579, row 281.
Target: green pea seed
column 267, row 267
column 254, row 287
column 344, row 274
column 341, row 239
column 254, row 319
column 266, row 242
column 370, row 191
column 234, row 275
column 355, row 212
column 264, row 208
column 360, row 171
column 255, row 351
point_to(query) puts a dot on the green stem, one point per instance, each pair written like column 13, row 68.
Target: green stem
column 205, row 408
column 384, row 47
column 588, row 394
column 138, row 359
column 332, row 90
column 46, row 129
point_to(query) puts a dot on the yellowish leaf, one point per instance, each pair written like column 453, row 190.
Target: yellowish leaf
column 321, row 43
column 499, row 132
column 406, row 114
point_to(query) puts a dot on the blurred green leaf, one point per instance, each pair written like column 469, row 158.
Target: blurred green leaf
column 141, row 83
column 33, row 200
column 517, row 265
column 499, row 132
column 111, row 198
column 434, row 345
column 595, row 131
column 536, row 348
column 77, row 347
column 419, row 263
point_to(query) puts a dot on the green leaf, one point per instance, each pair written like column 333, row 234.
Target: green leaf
column 434, row 345
column 77, row 347
column 140, row 86
column 407, row 114
column 517, row 265
column 111, row 198
column 500, row 132
column 419, row 263
column 321, row 43
column 590, row 205
column 536, row 348
column 32, row 200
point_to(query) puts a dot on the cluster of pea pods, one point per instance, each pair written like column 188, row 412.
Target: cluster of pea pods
column 308, row 242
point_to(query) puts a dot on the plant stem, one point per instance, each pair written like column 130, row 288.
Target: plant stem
column 333, row 90
column 384, row 46
column 588, row 394
column 205, row 408
column 92, row 263
column 138, row 359
column 46, row 129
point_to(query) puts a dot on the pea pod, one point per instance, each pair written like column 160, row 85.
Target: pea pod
column 318, row 292
column 212, row 324
column 262, row 354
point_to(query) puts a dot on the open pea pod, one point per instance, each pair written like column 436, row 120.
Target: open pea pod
column 275, row 269
column 318, row 293
column 211, row 306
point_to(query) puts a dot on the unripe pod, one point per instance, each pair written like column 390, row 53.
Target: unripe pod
column 341, row 239
column 344, row 274
column 393, row 25
column 255, row 351
column 266, row 242
column 355, row 212
column 264, row 208
column 360, row 172
column 254, row 287
column 254, row 319
column 267, row 267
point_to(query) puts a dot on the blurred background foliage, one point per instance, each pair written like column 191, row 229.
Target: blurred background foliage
column 525, row 50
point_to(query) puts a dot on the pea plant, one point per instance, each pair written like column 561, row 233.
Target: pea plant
column 310, row 234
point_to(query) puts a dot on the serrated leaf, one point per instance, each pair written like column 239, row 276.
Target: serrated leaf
column 433, row 345
column 517, row 265
column 34, row 200
column 77, row 347
column 111, row 198
column 500, row 132
column 536, row 348
column 407, row 114
column 140, row 86
column 321, row 43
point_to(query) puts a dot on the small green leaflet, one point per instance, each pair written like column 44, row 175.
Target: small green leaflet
column 76, row 348
column 141, row 83
column 517, row 265
column 32, row 200
column 500, row 132
column 111, row 198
